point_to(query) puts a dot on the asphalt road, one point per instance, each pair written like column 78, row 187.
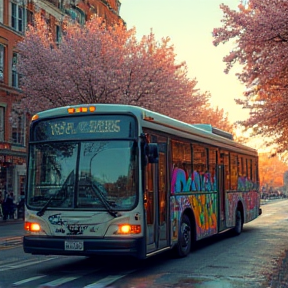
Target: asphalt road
column 255, row 259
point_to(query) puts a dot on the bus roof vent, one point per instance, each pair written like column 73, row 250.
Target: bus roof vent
column 209, row 128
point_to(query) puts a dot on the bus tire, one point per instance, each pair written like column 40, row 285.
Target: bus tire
column 238, row 224
column 183, row 246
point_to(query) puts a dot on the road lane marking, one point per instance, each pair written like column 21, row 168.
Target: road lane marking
column 108, row 280
column 23, row 264
column 28, row 280
column 58, row 282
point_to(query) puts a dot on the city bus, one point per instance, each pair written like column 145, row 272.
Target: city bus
column 121, row 180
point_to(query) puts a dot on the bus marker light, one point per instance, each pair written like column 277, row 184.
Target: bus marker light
column 129, row 229
column 71, row 110
column 32, row 227
column 81, row 109
column 35, row 117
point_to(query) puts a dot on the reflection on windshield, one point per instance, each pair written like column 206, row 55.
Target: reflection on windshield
column 110, row 166
column 104, row 179
column 49, row 167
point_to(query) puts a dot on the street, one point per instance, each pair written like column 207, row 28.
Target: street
column 248, row 260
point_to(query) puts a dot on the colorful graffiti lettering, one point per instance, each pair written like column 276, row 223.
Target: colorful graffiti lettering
column 204, row 207
column 194, row 182
column 244, row 184
column 205, row 211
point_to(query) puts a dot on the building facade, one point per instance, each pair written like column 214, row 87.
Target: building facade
column 15, row 15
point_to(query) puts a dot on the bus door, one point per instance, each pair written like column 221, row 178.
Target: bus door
column 221, row 197
column 156, row 202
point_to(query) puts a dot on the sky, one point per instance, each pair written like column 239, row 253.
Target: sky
column 189, row 24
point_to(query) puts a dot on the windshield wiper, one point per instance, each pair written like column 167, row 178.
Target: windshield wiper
column 43, row 209
column 53, row 197
column 104, row 201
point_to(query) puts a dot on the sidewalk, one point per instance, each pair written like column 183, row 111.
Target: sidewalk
column 10, row 221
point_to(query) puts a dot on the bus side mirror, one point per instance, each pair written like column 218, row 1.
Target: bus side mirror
column 153, row 153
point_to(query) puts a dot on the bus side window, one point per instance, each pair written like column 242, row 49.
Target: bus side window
column 199, row 165
column 224, row 159
column 148, row 196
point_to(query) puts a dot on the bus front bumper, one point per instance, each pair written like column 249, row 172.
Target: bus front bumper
column 44, row 245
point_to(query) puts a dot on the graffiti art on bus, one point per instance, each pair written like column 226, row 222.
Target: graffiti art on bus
column 195, row 181
column 205, row 211
column 62, row 226
column 245, row 184
column 204, row 207
column 250, row 202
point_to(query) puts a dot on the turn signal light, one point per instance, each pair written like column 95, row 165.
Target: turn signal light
column 32, row 227
column 129, row 229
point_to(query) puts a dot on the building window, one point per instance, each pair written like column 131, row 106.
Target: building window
column 15, row 80
column 58, row 34
column 30, row 18
column 76, row 15
column 17, row 17
column 1, row 10
column 2, row 123
column 2, row 62
column 18, row 130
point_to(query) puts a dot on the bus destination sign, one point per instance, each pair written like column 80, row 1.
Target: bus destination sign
column 87, row 127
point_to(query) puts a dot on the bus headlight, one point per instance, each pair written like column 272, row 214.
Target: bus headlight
column 32, row 227
column 129, row 229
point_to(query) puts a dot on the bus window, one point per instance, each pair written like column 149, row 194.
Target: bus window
column 242, row 164
column 233, row 171
column 181, row 160
column 212, row 162
column 108, row 168
column 249, row 169
column 149, row 190
column 199, row 165
column 224, row 158
column 254, row 172
column 162, row 142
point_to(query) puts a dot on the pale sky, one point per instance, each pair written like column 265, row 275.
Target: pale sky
column 189, row 24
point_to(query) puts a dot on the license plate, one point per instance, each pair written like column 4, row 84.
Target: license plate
column 74, row 245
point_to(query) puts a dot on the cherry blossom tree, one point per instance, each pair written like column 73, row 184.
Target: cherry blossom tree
column 217, row 117
column 259, row 32
column 96, row 63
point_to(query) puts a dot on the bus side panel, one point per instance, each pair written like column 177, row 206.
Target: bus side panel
column 204, row 207
column 250, row 202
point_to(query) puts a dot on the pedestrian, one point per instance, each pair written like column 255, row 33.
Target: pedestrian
column 20, row 208
column 10, row 206
column 1, row 201
column 5, row 208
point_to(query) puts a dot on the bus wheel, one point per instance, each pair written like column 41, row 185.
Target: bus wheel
column 239, row 224
column 184, row 241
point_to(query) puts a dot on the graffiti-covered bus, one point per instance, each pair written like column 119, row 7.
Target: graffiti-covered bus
column 108, row 179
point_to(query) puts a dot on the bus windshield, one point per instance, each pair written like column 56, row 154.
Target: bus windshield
column 86, row 175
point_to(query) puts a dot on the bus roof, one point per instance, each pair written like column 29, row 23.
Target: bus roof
column 200, row 132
